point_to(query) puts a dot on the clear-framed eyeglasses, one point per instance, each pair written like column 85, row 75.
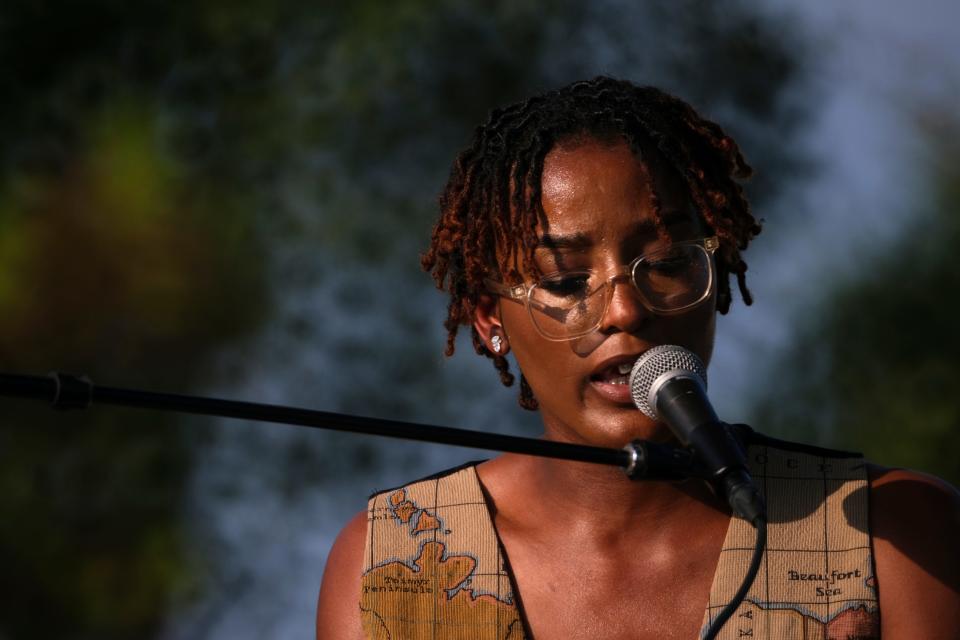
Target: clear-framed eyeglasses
column 569, row 304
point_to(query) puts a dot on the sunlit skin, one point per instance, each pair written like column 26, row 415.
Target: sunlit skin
column 594, row 554
column 598, row 195
column 606, row 531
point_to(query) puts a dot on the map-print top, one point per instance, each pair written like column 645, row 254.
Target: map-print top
column 435, row 569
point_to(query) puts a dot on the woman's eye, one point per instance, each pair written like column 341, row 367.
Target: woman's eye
column 566, row 285
column 668, row 265
column 674, row 261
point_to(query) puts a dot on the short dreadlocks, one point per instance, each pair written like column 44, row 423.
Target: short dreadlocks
column 490, row 208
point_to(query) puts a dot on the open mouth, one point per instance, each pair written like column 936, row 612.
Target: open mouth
column 614, row 374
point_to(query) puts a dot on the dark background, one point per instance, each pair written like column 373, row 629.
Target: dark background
column 231, row 200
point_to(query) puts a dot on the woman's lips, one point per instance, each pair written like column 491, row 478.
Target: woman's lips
column 613, row 382
column 613, row 391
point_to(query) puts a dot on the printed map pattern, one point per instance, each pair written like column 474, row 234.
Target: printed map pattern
column 433, row 565
column 816, row 579
column 434, row 568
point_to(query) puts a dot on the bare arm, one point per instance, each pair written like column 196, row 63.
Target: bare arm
column 915, row 521
column 338, row 607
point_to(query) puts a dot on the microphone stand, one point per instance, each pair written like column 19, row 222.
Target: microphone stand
column 640, row 459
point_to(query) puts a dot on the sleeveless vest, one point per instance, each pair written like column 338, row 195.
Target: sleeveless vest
column 434, row 568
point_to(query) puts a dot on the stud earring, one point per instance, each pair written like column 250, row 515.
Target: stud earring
column 496, row 341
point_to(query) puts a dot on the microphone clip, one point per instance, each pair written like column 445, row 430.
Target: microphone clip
column 655, row 461
column 70, row 392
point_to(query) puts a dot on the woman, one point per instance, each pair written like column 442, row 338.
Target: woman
column 582, row 228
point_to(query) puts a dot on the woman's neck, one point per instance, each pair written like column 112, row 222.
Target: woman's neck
column 595, row 500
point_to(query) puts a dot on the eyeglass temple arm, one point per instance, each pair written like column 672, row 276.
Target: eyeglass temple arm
column 519, row 294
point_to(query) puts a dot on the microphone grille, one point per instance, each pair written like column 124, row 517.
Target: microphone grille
column 649, row 369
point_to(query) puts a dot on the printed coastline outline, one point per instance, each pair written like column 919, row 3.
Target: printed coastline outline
column 419, row 520
column 869, row 581
column 867, row 606
column 856, row 620
column 453, row 573
column 409, row 513
column 862, row 615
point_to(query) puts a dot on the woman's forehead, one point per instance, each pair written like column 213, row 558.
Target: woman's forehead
column 597, row 186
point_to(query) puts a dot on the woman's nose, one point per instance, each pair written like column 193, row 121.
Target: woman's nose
column 625, row 311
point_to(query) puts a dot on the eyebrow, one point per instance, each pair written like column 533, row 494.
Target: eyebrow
column 579, row 240
column 572, row 241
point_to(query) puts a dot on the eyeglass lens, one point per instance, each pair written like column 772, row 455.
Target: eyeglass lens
column 572, row 303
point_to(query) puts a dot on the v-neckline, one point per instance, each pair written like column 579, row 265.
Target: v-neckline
column 517, row 602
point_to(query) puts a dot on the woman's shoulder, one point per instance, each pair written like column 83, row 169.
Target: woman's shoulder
column 338, row 615
column 912, row 518
column 897, row 488
column 915, row 525
column 917, row 515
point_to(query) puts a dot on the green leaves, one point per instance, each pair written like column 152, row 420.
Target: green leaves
column 172, row 174
column 875, row 368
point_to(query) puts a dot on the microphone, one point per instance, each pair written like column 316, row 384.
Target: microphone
column 669, row 383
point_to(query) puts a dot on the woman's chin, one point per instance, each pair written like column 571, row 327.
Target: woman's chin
column 616, row 426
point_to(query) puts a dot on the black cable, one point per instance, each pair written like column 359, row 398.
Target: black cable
column 728, row 610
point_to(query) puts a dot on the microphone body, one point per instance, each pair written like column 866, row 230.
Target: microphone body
column 668, row 383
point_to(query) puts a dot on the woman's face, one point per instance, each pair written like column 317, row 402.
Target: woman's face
column 597, row 200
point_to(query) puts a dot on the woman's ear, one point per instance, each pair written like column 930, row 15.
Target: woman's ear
column 486, row 320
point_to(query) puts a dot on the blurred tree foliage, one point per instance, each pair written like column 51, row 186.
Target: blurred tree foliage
column 164, row 162
column 125, row 255
column 875, row 368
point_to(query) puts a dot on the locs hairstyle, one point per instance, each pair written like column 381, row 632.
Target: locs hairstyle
column 490, row 208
